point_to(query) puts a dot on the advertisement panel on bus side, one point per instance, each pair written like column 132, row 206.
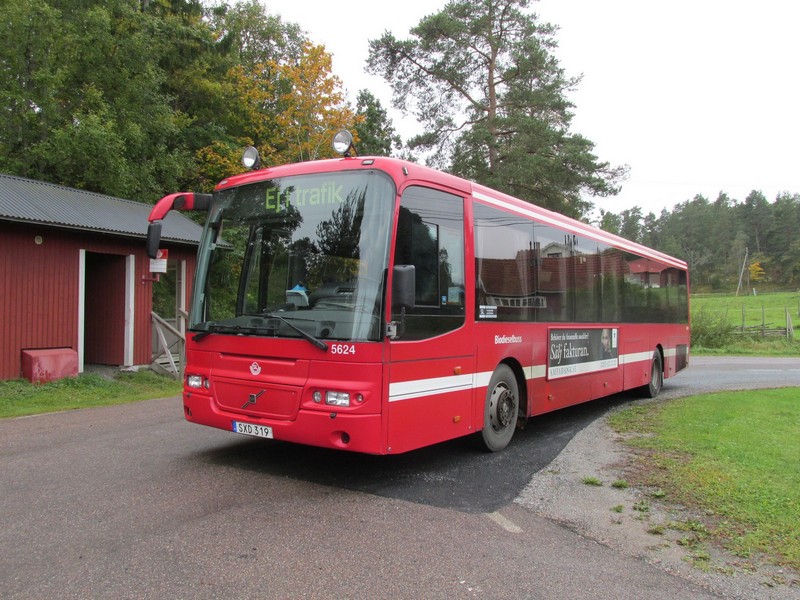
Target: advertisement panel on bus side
column 580, row 351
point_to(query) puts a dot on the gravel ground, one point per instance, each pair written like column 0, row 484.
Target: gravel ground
column 559, row 493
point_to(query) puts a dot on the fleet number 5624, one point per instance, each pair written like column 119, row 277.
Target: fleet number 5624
column 343, row 349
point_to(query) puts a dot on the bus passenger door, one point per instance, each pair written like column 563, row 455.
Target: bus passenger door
column 431, row 353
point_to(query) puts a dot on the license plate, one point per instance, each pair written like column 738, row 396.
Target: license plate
column 250, row 429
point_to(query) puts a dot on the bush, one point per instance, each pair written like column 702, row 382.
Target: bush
column 711, row 330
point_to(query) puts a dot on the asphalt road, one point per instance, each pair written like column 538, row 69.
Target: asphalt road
column 133, row 502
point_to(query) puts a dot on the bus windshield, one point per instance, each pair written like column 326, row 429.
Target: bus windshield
column 302, row 257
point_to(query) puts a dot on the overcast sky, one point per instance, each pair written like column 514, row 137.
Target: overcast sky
column 696, row 96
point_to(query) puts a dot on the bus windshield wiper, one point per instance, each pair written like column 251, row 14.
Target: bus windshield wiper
column 258, row 329
column 237, row 329
column 304, row 334
column 201, row 334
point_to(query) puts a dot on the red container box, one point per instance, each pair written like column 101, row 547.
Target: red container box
column 49, row 364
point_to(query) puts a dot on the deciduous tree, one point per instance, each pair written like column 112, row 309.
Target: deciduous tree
column 87, row 94
column 312, row 106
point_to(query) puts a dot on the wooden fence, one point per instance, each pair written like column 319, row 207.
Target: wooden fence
column 765, row 328
column 169, row 356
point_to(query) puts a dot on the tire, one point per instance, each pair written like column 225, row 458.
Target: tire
column 501, row 409
column 652, row 389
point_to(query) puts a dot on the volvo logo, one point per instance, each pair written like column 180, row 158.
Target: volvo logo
column 252, row 399
column 255, row 368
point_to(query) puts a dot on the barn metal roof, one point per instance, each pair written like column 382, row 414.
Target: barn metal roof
column 30, row 201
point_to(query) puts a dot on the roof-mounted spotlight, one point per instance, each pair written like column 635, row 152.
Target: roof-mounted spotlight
column 343, row 143
column 250, row 158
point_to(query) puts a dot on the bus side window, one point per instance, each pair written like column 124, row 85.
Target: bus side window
column 430, row 236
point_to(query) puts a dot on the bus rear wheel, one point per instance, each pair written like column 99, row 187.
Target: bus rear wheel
column 501, row 409
column 652, row 389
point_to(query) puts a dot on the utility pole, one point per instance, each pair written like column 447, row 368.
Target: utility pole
column 741, row 273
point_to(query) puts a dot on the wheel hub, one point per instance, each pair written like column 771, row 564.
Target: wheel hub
column 501, row 407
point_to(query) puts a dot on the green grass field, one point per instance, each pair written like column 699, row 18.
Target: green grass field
column 733, row 457
column 717, row 320
column 769, row 308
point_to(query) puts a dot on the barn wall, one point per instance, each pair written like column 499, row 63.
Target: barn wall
column 39, row 295
column 39, row 290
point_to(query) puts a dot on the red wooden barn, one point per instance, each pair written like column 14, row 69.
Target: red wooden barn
column 75, row 277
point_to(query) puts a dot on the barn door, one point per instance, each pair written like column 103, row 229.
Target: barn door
column 107, row 309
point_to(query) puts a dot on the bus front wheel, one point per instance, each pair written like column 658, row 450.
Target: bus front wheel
column 501, row 409
column 653, row 388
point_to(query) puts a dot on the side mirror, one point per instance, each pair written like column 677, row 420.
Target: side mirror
column 153, row 238
column 403, row 288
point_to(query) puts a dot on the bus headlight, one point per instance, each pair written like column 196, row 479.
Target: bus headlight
column 337, row 398
column 194, row 381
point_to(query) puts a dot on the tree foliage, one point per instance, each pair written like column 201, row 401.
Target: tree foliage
column 718, row 239
column 312, row 106
column 756, row 271
column 136, row 97
column 482, row 79
column 374, row 130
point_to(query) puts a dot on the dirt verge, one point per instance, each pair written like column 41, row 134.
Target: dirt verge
column 633, row 521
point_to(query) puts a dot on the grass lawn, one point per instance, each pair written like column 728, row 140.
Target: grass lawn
column 768, row 308
column 715, row 315
column 744, row 346
column 20, row 397
column 734, row 456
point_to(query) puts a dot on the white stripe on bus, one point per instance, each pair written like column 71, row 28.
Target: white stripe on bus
column 627, row 359
column 406, row 390
column 419, row 388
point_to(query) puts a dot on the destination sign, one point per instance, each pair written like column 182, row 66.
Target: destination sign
column 328, row 192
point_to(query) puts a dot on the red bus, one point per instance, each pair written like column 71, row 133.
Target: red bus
column 374, row 305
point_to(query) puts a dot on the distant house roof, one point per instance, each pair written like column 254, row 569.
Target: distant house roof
column 30, row 201
column 645, row 265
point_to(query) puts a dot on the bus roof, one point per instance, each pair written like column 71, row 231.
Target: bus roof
column 504, row 201
column 408, row 173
